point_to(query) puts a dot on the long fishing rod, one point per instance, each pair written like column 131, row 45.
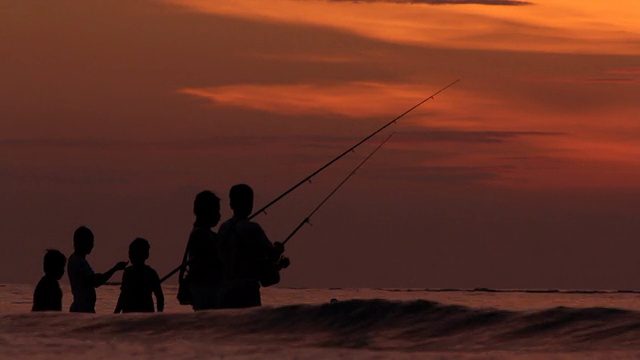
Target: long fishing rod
column 308, row 218
column 264, row 208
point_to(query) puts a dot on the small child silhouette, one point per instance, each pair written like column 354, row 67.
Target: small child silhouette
column 47, row 295
column 139, row 281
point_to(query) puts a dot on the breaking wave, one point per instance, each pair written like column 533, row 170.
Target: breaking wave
column 526, row 291
column 363, row 324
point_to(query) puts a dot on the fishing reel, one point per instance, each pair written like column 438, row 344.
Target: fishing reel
column 284, row 262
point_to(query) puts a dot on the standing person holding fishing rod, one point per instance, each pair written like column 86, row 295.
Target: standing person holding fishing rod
column 308, row 178
column 249, row 258
column 244, row 248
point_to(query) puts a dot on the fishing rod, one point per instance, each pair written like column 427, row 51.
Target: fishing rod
column 270, row 270
column 264, row 208
column 307, row 219
column 308, row 178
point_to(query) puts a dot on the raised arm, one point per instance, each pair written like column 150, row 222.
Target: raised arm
column 98, row 280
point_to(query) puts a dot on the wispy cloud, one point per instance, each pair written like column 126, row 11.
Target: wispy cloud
column 596, row 27
column 616, row 76
column 610, row 80
column 353, row 99
column 310, row 58
column 209, row 143
column 602, row 80
column 451, row 174
column 635, row 71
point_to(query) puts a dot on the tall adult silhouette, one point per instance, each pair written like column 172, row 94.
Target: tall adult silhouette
column 244, row 248
column 204, row 272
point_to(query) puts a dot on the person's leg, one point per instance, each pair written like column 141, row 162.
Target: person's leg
column 204, row 297
column 249, row 296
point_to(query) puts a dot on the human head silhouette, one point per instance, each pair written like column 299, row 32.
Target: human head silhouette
column 83, row 240
column 54, row 262
column 206, row 207
column 241, row 200
column 139, row 251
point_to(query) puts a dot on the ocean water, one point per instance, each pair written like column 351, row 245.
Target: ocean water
column 362, row 324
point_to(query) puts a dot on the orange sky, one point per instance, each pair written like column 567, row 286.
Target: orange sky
column 550, row 27
column 116, row 113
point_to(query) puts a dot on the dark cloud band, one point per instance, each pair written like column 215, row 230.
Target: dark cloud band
column 439, row 135
column 444, row 2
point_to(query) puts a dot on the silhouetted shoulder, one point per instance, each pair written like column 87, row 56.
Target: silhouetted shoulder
column 135, row 278
column 126, row 276
column 242, row 227
column 47, row 296
column 226, row 226
column 78, row 269
column 152, row 274
column 200, row 231
column 138, row 284
column 200, row 238
column 205, row 265
column 252, row 227
column 253, row 233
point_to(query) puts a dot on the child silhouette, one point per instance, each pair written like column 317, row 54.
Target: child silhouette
column 139, row 281
column 81, row 276
column 47, row 295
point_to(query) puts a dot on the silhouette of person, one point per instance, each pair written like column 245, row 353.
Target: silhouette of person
column 243, row 247
column 139, row 281
column 47, row 296
column 205, row 268
column 81, row 276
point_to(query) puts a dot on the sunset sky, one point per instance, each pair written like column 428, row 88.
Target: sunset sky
column 525, row 174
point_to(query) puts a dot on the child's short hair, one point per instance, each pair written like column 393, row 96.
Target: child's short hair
column 81, row 236
column 54, row 261
column 205, row 203
column 139, row 246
